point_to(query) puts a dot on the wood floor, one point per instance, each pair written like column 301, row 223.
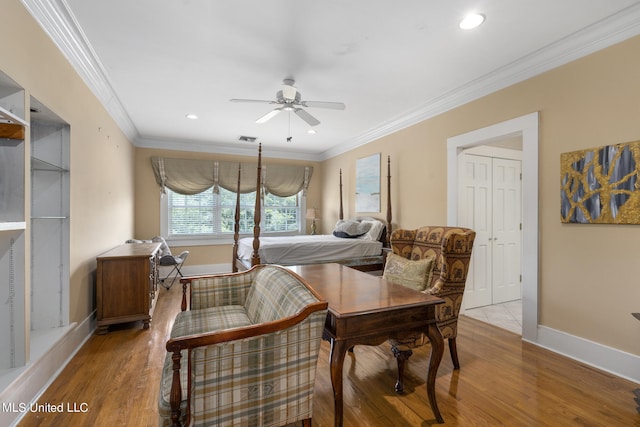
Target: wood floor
column 503, row 381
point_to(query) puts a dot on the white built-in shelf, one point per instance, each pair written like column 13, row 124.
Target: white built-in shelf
column 49, row 217
column 8, row 117
column 41, row 165
column 12, row 226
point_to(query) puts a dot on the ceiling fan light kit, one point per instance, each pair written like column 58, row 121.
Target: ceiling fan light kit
column 289, row 99
column 289, row 91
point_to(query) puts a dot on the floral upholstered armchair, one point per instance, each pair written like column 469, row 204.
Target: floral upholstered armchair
column 245, row 353
column 434, row 260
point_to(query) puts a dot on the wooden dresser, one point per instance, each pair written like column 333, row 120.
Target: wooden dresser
column 127, row 284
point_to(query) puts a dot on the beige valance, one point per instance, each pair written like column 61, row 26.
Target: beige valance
column 192, row 176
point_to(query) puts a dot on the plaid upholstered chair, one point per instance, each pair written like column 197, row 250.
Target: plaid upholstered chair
column 438, row 262
column 245, row 353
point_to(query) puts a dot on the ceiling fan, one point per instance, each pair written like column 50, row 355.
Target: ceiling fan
column 289, row 99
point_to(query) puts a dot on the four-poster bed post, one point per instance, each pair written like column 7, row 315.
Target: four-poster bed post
column 341, row 210
column 388, row 239
column 255, row 258
column 236, row 226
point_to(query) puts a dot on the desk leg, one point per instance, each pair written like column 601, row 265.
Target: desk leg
column 338, row 351
column 437, row 349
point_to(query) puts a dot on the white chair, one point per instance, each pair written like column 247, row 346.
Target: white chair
column 167, row 259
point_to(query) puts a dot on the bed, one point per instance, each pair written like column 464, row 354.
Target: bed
column 356, row 242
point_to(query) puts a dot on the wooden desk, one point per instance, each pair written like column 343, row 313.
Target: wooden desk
column 366, row 310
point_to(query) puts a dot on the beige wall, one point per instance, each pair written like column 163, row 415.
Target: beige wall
column 588, row 273
column 101, row 156
column 147, row 216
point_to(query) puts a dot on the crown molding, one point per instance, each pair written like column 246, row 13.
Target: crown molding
column 60, row 25
column 222, row 148
column 58, row 22
column 607, row 32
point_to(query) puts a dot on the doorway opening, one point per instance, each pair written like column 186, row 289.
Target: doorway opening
column 490, row 202
column 525, row 128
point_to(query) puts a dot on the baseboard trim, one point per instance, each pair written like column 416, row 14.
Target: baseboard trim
column 37, row 375
column 608, row 359
column 198, row 270
column 207, row 269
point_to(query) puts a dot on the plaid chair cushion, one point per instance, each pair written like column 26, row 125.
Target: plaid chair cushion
column 193, row 322
column 188, row 323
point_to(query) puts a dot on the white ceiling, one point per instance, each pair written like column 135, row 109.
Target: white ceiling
column 392, row 63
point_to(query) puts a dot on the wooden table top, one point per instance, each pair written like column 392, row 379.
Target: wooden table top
column 351, row 292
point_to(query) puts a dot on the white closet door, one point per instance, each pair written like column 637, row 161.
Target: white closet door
column 506, row 230
column 474, row 211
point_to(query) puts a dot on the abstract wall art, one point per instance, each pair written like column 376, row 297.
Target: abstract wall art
column 601, row 185
column 368, row 184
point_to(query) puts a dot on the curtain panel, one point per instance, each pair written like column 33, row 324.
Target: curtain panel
column 193, row 176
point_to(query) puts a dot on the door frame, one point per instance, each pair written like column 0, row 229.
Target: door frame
column 527, row 128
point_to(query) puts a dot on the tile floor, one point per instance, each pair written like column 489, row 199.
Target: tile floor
column 507, row 315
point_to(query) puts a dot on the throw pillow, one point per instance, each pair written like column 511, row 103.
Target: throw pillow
column 412, row 274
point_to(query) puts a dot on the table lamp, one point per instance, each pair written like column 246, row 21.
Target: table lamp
column 313, row 214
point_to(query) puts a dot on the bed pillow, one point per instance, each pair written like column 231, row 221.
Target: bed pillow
column 375, row 230
column 350, row 229
column 412, row 274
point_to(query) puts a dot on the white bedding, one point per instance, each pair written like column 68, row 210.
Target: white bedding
column 306, row 249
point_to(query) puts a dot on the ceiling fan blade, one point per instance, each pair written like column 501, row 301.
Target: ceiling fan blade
column 257, row 101
column 311, row 121
column 271, row 114
column 321, row 104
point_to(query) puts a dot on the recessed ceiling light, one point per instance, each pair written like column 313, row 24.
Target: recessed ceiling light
column 471, row 21
column 191, row 116
column 311, row 131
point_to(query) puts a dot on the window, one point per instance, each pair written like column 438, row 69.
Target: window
column 208, row 214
